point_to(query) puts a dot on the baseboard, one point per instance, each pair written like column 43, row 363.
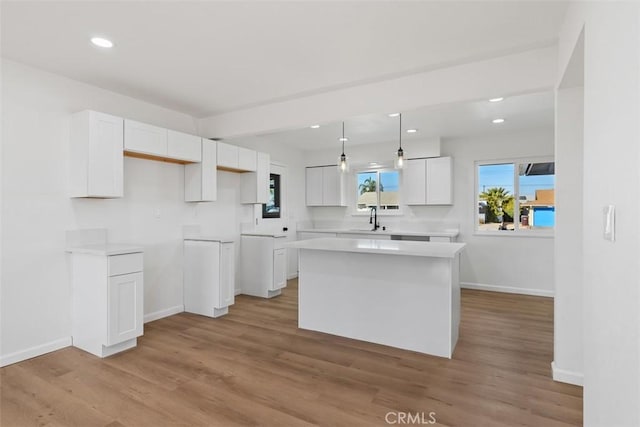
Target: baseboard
column 507, row 289
column 292, row 276
column 237, row 292
column 36, row 351
column 163, row 313
column 564, row 376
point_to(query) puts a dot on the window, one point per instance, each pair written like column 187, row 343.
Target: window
column 378, row 189
column 515, row 196
column 271, row 209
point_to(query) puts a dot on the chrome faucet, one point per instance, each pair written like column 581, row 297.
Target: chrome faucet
column 373, row 218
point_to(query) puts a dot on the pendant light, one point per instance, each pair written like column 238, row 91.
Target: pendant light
column 399, row 161
column 343, row 163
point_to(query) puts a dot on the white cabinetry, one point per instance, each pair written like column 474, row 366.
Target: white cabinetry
column 428, row 181
column 182, row 146
column 200, row 179
column 209, row 277
column 107, row 301
column 254, row 186
column 145, row 139
column 236, row 158
column 325, row 186
column 263, row 265
column 148, row 141
column 96, row 158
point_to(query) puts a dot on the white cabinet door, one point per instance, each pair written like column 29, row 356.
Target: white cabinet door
column 96, row 155
column 124, row 308
column 201, row 276
column 247, row 159
column 227, row 156
column 279, row 269
column 254, row 186
column 414, row 182
column 200, row 179
column 183, row 146
column 438, row 182
column 331, row 186
column 145, row 139
column 314, row 184
column 227, row 275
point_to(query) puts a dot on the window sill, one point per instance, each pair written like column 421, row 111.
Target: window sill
column 506, row 233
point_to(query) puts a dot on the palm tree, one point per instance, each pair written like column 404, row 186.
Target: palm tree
column 369, row 186
column 496, row 198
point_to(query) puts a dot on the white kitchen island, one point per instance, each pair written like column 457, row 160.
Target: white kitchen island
column 397, row 293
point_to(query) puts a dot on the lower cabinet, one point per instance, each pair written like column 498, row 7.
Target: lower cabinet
column 263, row 265
column 209, row 277
column 107, row 302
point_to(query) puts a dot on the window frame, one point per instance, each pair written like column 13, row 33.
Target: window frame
column 516, row 232
column 381, row 212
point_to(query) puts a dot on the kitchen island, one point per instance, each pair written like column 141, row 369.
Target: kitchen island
column 397, row 293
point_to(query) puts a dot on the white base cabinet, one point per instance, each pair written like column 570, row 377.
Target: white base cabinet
column 107, row 302
column 209, row 277
column 263, row 265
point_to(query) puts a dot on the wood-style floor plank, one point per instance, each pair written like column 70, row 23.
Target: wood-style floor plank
column 255, row 367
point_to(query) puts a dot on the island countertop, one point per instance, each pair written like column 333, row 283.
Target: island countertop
column 105, row 249
column 386, row 247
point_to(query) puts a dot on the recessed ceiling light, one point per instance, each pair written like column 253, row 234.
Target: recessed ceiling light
column 496, row 99
column 496, row 121
column 373, row 164
column 412, row 130
column 102, row 42
column 343, row 139
column 393, row 114
column 315, row 126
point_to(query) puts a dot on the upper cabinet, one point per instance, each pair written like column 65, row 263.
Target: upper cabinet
column 96, row 163
column 234, row 158
column 148, row 141
column 183, row 146
column 254, row 186
column 325, row 186
column 145, row 139
column 428, row 181
column 200, row 179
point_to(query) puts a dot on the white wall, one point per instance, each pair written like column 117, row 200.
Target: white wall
column 504, row 263
column 36, row 211
column 611, row 156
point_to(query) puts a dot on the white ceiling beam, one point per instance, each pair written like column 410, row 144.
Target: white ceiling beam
column 531, row 71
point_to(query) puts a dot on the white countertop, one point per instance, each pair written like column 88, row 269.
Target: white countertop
column 263, row 234
column 385, row 247
column 443, row 233
column 206, row 238
column 106, row 249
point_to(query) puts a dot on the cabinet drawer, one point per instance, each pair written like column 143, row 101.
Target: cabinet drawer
column 278, row 242
column 125, row 264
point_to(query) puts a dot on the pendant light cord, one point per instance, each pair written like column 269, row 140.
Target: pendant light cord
column 400, row 131
column 343, row 138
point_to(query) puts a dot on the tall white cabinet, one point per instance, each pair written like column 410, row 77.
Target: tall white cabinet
column 107, row 288
column 96, row 155
column 428, row 181
column 325, row 186
column 209, row 276
column 263, row 264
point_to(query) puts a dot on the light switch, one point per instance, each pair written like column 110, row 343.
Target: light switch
column 609, row 222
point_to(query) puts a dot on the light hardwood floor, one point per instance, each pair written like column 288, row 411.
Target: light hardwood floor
column 255, row 367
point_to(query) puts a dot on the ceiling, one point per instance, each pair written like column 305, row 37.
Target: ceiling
column 522, row 112
column 204, row 58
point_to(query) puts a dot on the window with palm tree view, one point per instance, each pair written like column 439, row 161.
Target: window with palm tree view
column 378, row 189
column 516, row 196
